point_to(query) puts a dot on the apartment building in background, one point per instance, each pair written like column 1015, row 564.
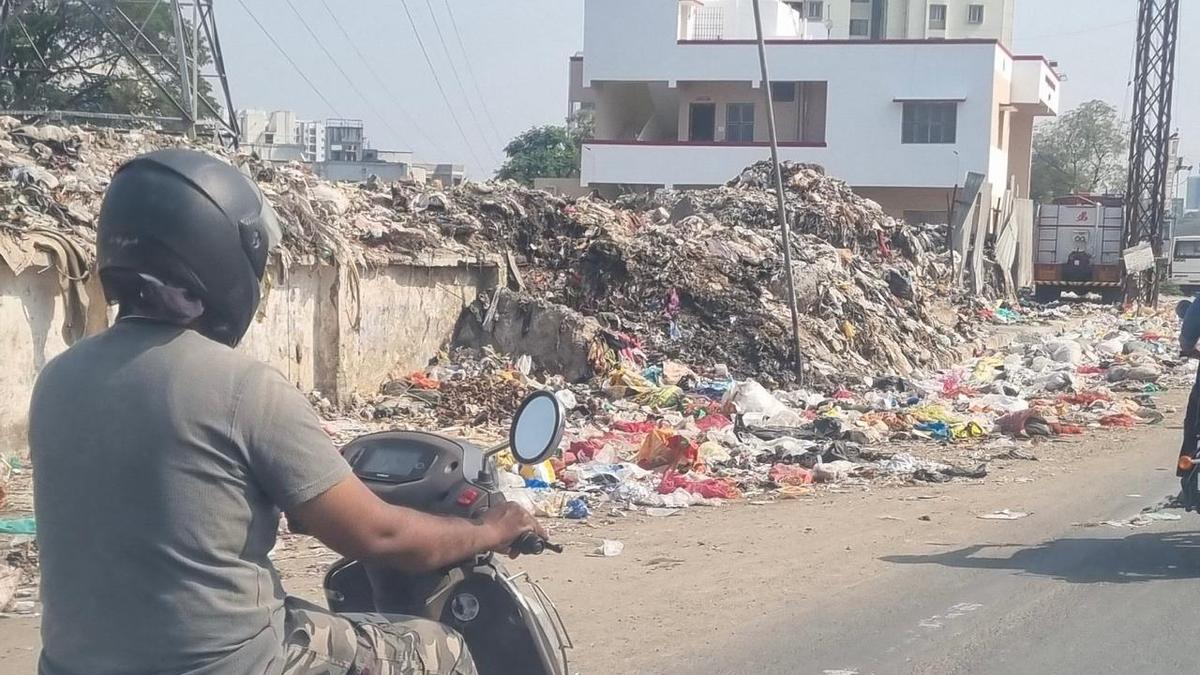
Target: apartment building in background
column 677, row 98
column 272, row 135
column 335, row 149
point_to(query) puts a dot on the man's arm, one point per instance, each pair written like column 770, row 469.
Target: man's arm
column 353, row 521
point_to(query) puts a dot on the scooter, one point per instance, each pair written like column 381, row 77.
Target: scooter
column 509, row 623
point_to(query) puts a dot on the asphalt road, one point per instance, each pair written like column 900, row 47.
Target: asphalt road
column 1041, row 595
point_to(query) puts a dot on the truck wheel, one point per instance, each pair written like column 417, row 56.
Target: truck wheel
column 1112, row 296
column 1045, row 294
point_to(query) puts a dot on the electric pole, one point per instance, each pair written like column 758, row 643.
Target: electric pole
column 1149, row 147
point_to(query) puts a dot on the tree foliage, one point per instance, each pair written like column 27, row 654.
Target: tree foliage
column 1083, row 151
column 58, row 56
column 550, row 151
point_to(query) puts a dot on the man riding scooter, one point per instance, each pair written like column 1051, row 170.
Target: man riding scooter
column 163, row 459
column 1188, row 312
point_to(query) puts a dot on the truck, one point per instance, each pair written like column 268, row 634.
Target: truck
column 1079, row 245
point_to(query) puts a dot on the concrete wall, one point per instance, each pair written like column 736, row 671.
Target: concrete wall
column 32, row 313
column 308, row 330
column 408, row 315
column 898, row 201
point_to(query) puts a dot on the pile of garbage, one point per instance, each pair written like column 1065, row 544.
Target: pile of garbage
column 698, row 277
column 664, row 437
column 695, row 277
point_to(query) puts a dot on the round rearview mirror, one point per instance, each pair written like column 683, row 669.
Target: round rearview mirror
column 537, row 428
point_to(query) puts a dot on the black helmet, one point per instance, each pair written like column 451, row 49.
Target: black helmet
column 189, row 219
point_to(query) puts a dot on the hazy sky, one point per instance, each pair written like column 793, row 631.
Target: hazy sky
column 518, row 52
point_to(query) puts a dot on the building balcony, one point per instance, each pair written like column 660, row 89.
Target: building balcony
column 1035, row 85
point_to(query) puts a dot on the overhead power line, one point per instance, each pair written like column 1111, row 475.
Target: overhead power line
column 438, row 81
column 287, row 56
column 471, row 72
column 410, row 119
column 458, row 80
column 349, row 80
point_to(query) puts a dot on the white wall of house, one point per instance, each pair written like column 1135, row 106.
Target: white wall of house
column 638, row 71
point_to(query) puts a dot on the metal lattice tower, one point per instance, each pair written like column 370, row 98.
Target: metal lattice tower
column 193, row 20
column 1149, row 147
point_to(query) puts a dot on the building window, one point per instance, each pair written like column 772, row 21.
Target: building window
column 937, row 17
column 814, row 9
column 739, row 123
column 975, row 14
column 1003, row 127
column 783, row 92
column 860, row 28
column 930, row 122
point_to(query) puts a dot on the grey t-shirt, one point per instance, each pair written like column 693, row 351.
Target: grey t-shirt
column 161, row 461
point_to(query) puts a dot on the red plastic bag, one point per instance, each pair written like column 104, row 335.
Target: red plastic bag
column 422, row 381
column 1119, row 420
column 664, row 447
column 1089, row 370
column 787, row 474
column 1084, row 398
column 710, row 422
column 635, row 427
column 709, row 488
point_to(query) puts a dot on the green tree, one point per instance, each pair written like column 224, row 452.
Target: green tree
column 1083, row 151
column 550, row 151
column 58, row 56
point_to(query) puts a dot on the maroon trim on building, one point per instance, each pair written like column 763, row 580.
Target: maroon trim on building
column 797, row 41
column 709, row 144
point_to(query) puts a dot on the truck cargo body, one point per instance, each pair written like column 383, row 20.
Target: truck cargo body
column 1079, row 243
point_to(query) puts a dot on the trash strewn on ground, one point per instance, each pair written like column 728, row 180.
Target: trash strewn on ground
column 661, row 436
column 661, row 323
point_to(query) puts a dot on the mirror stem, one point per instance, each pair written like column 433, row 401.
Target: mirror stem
column 499, row 447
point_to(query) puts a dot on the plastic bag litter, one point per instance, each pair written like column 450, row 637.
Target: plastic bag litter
column 1002, row 403
column 1064, row 351
column 833, row 472
column 608, row 548
column 708, row 488
column 665, row 447
column 752, row 397
column 787, row 474
column 567, row 398
column 1003, row 514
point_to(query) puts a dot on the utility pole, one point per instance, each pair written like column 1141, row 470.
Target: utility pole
column 1149, row 147
column 185, row 80
column 784, row 228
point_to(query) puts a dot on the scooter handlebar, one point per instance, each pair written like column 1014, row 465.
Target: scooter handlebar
column 531, row 544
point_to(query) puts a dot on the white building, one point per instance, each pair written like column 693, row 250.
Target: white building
column 270, row 135
column 675, row 85
column 873, row 19
column 311, row 136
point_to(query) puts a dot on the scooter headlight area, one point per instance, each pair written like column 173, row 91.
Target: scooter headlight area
column 509, row 623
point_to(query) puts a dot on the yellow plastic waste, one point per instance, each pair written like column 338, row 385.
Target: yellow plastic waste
column 987, row 368
column 934, row 413
column 968, row 430
column 849, row 330
column 643, row 391
column 543, row 472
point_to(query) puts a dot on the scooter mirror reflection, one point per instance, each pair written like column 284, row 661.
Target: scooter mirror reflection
column 537, row 428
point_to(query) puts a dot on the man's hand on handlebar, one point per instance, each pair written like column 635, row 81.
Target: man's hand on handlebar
column 509, row 521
